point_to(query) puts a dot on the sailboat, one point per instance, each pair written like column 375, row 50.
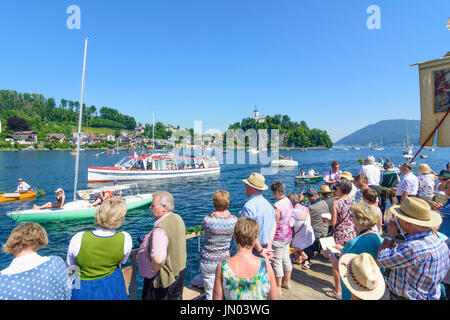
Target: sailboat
column 408, row 150
column 78, row 209
column 380, row 147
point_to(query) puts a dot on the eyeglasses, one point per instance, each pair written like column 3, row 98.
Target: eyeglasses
column 153, row 205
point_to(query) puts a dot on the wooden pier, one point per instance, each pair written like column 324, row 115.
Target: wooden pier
column 308, row 284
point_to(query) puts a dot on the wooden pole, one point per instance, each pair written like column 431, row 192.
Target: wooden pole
column 431, row 135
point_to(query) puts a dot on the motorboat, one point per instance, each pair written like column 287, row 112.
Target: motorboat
column 284, row 162
column 78, row 209
column 154, row 166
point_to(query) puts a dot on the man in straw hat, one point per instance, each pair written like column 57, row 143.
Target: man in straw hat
column 361, row 276
column 419, row 264
column 259, row 209
column 327, row 196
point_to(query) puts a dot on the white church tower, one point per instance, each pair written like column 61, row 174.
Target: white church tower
column 256, row 114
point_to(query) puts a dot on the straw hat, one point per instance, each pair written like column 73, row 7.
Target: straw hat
column 325, row 189
column 362, row 276
column 347, row 175
column 256, row 181
column 58, row 190
column 20, row 179
column 417, row 212
column 424, row 169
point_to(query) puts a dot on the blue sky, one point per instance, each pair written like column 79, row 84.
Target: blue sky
column 214, row 60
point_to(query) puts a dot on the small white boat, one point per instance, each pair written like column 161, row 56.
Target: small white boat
column 254, row 151
column 284, row 162
column 154, row 166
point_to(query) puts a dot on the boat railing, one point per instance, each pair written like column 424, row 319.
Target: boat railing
column 130, row 271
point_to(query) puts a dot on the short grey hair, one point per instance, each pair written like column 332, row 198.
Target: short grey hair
column 279, row 187
column 370, row 159
column 165, row 199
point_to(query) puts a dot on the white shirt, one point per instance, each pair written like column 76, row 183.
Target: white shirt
column 311, row 173
column 373, row 174
column 75, row 244
column 23, row 186
column 24, row 263
column 409, row 183
column 352, row 193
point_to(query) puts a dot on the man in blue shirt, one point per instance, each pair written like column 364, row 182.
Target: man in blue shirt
column 259, row 209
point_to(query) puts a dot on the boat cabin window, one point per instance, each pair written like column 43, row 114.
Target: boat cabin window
column 160, row 164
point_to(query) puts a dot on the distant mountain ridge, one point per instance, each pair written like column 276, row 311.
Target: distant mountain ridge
column 389, row 132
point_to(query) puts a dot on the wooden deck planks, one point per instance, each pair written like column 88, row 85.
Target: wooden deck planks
column 310, row 284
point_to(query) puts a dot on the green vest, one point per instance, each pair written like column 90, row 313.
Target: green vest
column 175, row 262
column 99, row 256
column 389, row 179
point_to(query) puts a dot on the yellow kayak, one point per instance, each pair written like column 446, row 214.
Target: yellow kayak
column 6, row 197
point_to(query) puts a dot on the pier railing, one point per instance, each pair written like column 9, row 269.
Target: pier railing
column 130, row 271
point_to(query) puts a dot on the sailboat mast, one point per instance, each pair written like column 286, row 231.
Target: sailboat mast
column 153, row 131
column 80, row 118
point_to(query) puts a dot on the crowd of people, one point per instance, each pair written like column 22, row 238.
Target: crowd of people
column 399, row 253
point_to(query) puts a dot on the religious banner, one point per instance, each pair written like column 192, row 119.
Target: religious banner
column 435, row 100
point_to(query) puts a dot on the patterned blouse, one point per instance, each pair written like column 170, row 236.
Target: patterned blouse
column 283, row 231
column 344, row 229
column 236, row 288
column 47, row 281
column 217, row 241
column 426, row 186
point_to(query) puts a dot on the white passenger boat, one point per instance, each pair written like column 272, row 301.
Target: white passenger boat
column 154, row 166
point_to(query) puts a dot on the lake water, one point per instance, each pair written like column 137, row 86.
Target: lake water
column 49, row 170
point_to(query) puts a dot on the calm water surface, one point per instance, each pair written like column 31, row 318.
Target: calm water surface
column 49, row 170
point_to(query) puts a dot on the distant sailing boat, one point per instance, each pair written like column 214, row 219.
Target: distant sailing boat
column 380, row 147
column 408, row 150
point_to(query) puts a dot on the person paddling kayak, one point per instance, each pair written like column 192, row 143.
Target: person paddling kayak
column 22, row 186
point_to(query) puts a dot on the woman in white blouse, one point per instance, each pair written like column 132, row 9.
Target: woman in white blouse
column 99, row 254
column 31, row 276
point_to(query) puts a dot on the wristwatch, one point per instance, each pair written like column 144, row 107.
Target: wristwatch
column 388, row 238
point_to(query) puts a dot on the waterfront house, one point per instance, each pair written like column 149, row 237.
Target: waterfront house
column 139, row 130
column 23, row 137
column 56, row 137
column 110, row 137
column 170, row 128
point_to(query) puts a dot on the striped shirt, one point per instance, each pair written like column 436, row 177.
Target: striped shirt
column 217, row 240
column 417, row 266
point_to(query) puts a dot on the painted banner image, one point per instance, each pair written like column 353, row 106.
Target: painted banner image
column 442, row 90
